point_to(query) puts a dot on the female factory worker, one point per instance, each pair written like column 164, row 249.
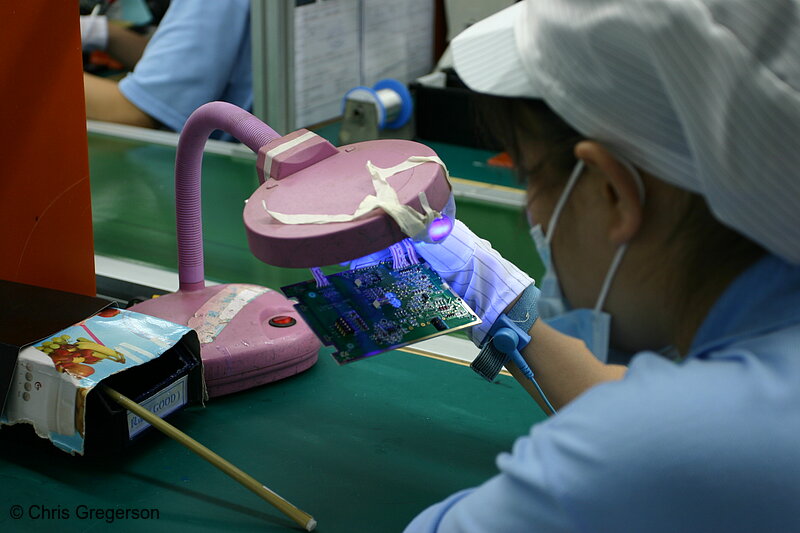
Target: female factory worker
column 660, row 143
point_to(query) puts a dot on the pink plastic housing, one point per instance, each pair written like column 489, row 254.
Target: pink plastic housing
column 314, row 177
column 248, row 351
column 301, row 173
column 294, row 159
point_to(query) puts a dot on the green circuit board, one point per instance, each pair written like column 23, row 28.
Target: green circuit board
column 370, row 310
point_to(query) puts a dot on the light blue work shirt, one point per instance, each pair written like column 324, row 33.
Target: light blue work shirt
column 199, row 53
column 710, row 444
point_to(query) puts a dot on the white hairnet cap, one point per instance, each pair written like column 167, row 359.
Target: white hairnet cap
column 704, row 94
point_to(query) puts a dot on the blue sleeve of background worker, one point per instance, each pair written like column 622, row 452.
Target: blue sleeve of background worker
column 199, row 53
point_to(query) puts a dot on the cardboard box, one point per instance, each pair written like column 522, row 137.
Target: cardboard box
column 56, row 347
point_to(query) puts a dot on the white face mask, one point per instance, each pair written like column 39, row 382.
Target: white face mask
column 592, row 326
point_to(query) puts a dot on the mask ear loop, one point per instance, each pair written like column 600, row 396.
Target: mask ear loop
column 612, row 271
column 562, row 201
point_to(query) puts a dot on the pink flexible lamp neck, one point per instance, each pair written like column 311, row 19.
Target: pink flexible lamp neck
column 188, row 162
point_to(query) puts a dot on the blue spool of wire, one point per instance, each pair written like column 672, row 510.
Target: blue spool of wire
column 391, row 99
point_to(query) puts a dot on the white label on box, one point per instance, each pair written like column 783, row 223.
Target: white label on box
column 160, row 404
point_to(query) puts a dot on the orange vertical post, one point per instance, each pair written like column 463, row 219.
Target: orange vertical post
column 45, row 201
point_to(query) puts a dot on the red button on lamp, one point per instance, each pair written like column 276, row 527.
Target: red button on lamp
column 282, row 321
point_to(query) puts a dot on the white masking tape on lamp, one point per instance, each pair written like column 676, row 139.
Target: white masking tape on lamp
column 418, row 226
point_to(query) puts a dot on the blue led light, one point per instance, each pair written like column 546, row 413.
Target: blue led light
column 440, row 228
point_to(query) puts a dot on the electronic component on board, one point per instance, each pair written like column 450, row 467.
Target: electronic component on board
column 439, row 324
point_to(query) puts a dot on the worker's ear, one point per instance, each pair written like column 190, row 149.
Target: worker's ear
column 617, row 188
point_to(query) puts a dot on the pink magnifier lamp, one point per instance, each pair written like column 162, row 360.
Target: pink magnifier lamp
column 251, row 335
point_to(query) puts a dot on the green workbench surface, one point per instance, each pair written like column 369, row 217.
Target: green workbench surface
column 363, row 448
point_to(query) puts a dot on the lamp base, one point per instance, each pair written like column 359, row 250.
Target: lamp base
column 249, row 335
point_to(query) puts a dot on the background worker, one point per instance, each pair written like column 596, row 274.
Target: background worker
column 199, row 53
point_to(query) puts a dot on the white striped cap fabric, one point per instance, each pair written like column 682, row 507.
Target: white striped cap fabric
column 704, row 94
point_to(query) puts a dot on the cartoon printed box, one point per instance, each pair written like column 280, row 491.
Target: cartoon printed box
column 56, row 347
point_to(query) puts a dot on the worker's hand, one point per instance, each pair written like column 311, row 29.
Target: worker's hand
column 473, row 269
column 94, row 32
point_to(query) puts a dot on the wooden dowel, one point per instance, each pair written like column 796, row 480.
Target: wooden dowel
column 301, row 517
